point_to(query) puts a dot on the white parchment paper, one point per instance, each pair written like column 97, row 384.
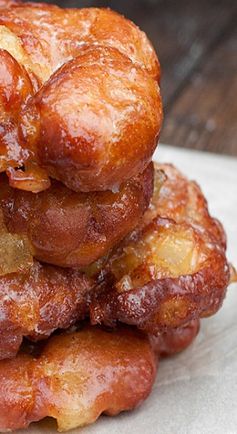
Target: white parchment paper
column 196, row 391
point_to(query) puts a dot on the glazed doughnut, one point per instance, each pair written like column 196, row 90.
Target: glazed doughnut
column 39, row 301
column 75, row 229
column 95, row 116
column 171, row 271
column 77, row 377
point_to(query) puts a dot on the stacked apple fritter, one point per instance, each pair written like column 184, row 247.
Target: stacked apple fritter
column 107, row 263
column 167, row 274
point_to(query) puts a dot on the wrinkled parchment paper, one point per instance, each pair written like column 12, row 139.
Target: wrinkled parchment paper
column 196, row 391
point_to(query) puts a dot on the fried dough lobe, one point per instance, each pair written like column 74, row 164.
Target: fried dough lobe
column 39, row 301
column 89, row 110
column 171, row 271
column 77, row 377
column 72, row 229
column 176, row 340
column 49, row 44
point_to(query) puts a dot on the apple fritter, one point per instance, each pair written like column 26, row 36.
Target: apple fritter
column 88, row 110
column 77, row 377
column 170, row 271
column 36, row 302
column 72, row 229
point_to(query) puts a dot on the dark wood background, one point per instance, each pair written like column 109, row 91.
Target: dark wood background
column 197, row 46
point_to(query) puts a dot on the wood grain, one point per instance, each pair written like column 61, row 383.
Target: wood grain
column 204, row 116
column 182, row 33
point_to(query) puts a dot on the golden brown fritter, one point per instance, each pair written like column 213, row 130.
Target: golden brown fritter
column 97, row 371
column 171, row 271
column 39, row 301
column 168, row 273
column 77, row 377
column 96, row 111
column 75, row 229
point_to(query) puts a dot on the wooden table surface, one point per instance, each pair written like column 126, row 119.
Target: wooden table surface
column 197, row 46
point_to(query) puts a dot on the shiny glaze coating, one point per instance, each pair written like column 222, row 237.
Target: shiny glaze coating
column 173, row 270
column 75, row 229
column 50, row 35
column 182, row 201
column 15, row 88
column 15, row 254
column 77, row 377
column 99, row 117
column 7, row 3
column 164, row 275
column 174, row 341
column 37, row 302
column 95, row 120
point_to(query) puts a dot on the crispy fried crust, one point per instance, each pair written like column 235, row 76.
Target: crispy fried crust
column 77, row 377
column 95, row 120
column 75, row 229
column 37, row 302
column 173, row 270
